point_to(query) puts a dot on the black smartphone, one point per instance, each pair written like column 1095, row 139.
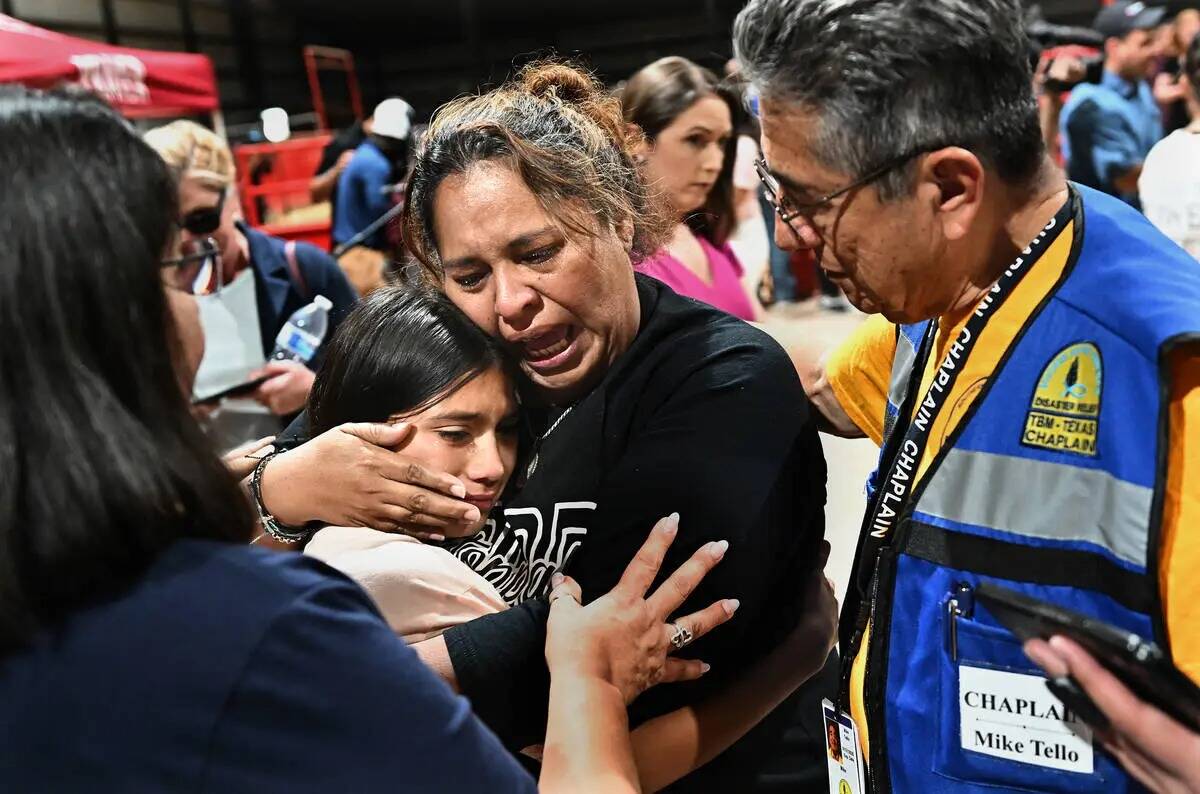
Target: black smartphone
column 1138, row 663
column 237, row 390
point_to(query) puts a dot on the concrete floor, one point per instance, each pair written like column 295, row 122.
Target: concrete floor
column 849, row 464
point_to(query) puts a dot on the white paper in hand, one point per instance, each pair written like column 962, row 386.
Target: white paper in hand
column 232, row 338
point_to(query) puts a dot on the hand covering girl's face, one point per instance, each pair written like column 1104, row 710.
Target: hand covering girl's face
column 471, row 434
column 565, row 303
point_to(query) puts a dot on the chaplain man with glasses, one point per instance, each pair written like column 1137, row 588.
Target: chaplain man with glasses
column 247, row 271
column 1031, row 372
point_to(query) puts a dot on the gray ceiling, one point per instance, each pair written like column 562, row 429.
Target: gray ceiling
column 433, row 16
column 540, row 11
column 437, row 18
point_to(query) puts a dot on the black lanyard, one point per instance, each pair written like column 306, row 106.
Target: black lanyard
column 906, row 444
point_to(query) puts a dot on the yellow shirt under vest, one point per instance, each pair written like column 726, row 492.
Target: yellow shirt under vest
column 859, row 372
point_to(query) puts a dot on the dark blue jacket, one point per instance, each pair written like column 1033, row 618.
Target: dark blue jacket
column 278, row 293
column 361, row 197
column 226, row 668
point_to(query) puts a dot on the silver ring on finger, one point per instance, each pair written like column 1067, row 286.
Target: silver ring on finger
column 562, row 594
column 681, row 636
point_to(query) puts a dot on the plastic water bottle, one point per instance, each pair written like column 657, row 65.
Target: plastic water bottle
column 303, row 333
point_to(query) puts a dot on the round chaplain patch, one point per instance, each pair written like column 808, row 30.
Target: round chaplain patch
column 1064, row 414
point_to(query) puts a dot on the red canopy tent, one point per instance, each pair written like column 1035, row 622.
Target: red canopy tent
column 139, row 83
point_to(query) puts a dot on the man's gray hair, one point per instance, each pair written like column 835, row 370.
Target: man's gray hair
column 887, row 78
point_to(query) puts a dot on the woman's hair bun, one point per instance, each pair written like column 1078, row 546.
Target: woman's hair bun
column 577, row 87
column 569, row 83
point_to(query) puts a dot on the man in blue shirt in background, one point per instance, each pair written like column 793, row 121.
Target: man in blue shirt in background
column 1109, row 128
column 363, row 195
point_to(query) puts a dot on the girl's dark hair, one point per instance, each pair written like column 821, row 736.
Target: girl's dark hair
column 656, row 96
column 400, row 350
column 562, row 132
column 103, row 466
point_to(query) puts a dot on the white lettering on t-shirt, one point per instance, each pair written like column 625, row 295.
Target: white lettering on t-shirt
column 519, row 554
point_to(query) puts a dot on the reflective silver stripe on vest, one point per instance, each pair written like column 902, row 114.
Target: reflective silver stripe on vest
column 1041, row 500
column 902, row 364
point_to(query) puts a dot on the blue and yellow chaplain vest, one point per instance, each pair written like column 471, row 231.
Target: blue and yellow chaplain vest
column 1049, row 480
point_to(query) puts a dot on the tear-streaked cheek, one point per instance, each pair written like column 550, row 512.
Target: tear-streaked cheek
column 478, row 306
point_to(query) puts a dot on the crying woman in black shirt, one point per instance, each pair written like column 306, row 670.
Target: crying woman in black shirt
column 526, row 208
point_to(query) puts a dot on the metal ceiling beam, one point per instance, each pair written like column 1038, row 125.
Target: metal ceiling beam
column 241, row 23
column 188, row 25
column 110, row 21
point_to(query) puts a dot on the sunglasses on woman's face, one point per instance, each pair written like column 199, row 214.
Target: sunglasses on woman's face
column 197, row 271
column 204, row 220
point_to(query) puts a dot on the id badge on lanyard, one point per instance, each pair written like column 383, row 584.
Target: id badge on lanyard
column 843, row 752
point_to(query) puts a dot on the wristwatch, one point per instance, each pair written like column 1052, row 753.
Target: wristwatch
column 279, row 531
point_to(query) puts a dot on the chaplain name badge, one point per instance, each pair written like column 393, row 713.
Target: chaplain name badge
column 1064, row 414
column 843, row 752
column 1014, row 716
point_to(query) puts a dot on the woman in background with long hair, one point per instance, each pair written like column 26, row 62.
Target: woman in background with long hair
column 686, row 116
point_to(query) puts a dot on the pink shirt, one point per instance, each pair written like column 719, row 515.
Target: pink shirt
column 725, row 292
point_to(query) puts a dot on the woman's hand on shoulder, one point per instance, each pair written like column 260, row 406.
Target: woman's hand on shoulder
column 623, row 638
column 355, row 475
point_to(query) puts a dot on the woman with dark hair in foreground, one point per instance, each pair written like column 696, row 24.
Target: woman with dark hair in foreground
column 143, row 644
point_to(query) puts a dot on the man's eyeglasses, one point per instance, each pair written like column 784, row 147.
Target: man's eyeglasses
column 205, row 220
column 197, row 271
column 789, row 210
